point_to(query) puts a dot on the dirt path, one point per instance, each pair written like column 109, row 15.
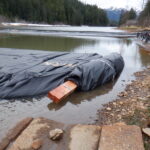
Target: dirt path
column 132, row 106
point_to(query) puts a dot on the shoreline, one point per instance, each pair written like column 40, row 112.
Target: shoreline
column 132, row 29
column 132, row 105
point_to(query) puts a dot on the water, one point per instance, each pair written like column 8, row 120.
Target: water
column 81, row 107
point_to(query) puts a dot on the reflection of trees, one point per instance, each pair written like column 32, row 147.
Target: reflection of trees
column 123, row 42
column 77, row 97
column 127, row 41
column 44, row 43
column 144, row 57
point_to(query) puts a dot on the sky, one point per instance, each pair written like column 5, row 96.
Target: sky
column 136, row 4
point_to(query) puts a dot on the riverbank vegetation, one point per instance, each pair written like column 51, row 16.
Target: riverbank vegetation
column 70, row 12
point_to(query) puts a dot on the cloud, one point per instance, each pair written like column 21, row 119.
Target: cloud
column 136, row 4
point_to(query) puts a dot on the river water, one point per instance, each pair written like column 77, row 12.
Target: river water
column 80, row 107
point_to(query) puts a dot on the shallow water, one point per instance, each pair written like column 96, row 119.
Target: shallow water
column 80, row 107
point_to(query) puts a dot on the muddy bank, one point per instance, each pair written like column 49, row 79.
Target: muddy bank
column 132, row 106
column 133, row 28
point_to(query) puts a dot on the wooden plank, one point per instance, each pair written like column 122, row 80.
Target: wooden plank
column 62, row 91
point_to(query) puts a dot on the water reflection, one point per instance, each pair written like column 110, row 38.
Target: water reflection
column 144, row 57
column 78, row 97
column 43, row 43
column 83, row 104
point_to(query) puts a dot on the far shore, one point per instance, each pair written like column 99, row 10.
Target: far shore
column 133, row 28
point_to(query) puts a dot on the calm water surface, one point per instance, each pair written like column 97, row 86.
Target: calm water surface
column 81, row 107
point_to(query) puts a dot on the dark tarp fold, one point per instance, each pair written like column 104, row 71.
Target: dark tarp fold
column 25, row 73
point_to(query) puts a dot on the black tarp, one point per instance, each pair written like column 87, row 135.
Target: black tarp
column 25, row 73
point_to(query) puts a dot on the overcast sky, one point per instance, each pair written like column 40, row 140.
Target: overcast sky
column 137, row 4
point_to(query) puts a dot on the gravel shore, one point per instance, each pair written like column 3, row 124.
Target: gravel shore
column 132, row 106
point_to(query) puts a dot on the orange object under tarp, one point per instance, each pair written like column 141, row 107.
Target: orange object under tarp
column 62, row 91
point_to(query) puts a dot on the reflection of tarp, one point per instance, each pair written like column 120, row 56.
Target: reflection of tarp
column 31, row 73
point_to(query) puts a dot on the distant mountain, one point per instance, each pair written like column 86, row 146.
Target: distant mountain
column 113, row 14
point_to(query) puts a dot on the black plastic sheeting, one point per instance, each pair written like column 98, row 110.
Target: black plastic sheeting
column 25, row 73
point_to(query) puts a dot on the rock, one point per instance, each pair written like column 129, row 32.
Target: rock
column 14, row 132
column 114, row 103
column 142, row 98
column 37, row 144
column 84, row 137
column 148, row 96
column 56, row 134
column 108, row 108
column 121, row 103
column 123, row 110
column 19, row 127
column 146, row 131
column 112, row 114
column 123, row 94
column 121, row 137
column 37, row 129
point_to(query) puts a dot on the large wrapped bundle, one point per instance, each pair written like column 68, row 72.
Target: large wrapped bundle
column 31, row 73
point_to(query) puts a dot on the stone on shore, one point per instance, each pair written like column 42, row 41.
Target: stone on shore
column 56, row 134
column 36, row 135
column 146, row 131
column 14, row 132
column 121, row 137
column 84, row 137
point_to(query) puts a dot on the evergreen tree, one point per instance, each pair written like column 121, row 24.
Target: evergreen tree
column 144, row 18
column 132, row 14
column 54, row 11
column 127, row 15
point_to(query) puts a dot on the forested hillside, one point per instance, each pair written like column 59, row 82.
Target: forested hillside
column 70, row 12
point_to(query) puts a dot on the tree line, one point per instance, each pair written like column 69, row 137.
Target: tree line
column 127, row 15
column 70, row 12
column 143, row 19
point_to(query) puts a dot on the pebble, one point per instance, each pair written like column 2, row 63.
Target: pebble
column 148, row 96
column 114, row 103
column 120, row 103
column 142, row 98
column 108, row 108
column 56, row 134
column 146, row 131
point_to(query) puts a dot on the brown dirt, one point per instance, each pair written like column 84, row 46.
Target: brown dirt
column 132, row 105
